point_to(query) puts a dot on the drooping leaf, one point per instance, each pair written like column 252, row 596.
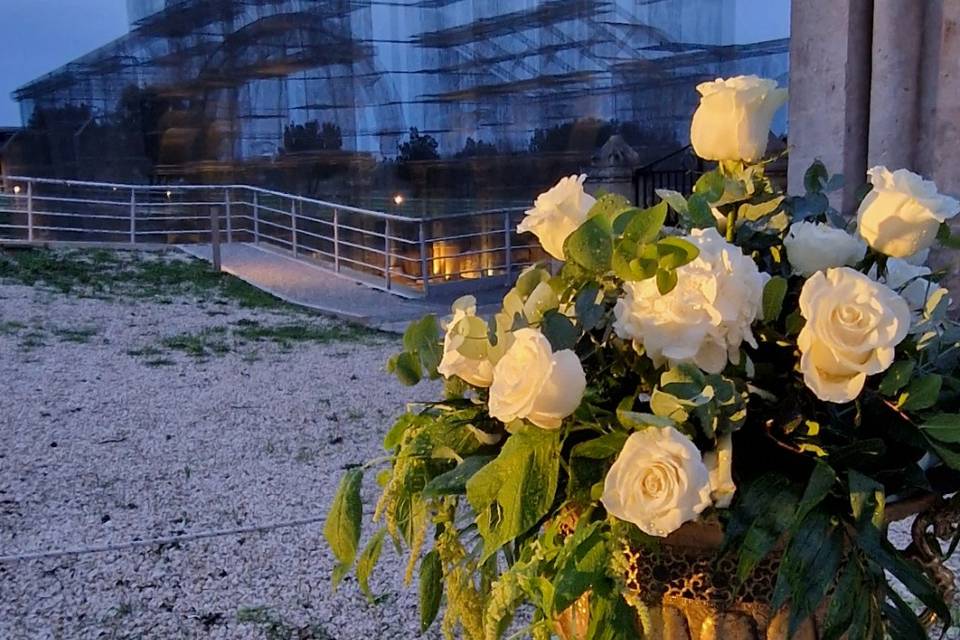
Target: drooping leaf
column 514, row 491
column 431, row 588
column 368, row 561
column 846, row 598
column 766, row 511
column 342, row 528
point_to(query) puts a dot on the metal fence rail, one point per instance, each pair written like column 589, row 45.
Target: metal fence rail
column 414, row 256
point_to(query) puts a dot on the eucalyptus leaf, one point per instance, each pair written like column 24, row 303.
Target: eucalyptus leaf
column 591, row 245
column 673, row 198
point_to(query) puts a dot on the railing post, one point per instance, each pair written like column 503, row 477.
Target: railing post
column 256, row 217
column 293, row 226
column 228, row 213
column 508, row 246
column 424, row 262
column 215, row 237
column 133, row 215
column 386, row 252
column 30, row 210
column 336, row 240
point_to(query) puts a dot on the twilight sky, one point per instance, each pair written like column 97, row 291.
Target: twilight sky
column 41, row 35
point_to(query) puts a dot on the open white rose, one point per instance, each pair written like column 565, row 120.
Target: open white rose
column 658, row 481
column 465, row 346
column 734, row 117
column 901, row 215
column 706, row 317
column 533, row 382
column 720, row 465
column 815, row 247
column 908, row 280
column 853, row 327
column 557, row 213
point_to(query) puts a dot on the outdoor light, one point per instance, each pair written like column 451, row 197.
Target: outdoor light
column 169, row 193
column 16, row 189
column 398, row 199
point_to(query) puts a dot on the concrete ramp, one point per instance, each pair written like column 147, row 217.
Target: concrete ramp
column 301, row 283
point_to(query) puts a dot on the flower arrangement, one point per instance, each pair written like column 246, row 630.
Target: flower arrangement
column 736, row 356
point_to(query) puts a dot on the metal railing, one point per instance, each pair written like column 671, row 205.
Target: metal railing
column 414, row 256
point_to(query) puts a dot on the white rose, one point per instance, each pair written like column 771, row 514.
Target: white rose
column 533, row 382
column 908, row 280
column 465, row 346
column 557, row 213
column 706, row 317
column 815, row 247
column 720, row 465
column 658, row 481
column 901, row 215
column 734, row 117
column 853, row 327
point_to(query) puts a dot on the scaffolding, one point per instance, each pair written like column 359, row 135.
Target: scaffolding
column 436, row 98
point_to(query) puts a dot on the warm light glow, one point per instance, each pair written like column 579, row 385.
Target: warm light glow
column 169, row 193
column 398, row 199
column 16, row 189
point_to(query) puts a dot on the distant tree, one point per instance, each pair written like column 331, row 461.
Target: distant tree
column 477, row 148
column 420, row 147
column 142, row 117
column 585, row 135
column 312, row 136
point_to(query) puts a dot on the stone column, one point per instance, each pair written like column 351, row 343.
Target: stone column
column 830, row 91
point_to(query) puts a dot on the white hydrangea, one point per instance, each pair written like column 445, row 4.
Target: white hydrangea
column 706, row 317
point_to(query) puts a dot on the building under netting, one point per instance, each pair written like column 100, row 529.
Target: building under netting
column 439, row 98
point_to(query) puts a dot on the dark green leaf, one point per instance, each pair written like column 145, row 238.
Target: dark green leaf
column 559, row 330
column 342, row 529
column 867, row 501
column 815, row 177
column 583, row 566
column 845, row 599
column 773, row 294
column 643, row 226
column 949, row 453
column 431, row 588
column 367, row 561
column 897, row 377
column 943, row 427
column 766, row 511
column 922, row 393
column 589, row 313
column 454, row 482
column 606, row 446
column 902, row 621
column 822, row 480
column 406, row 366
column 422, row 338
column 698, row 212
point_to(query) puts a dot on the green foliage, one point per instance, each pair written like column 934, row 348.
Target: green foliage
column 431, row 589
column 512, row 493
column 342, row 529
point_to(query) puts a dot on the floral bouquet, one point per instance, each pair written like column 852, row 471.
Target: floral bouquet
column 737, row 363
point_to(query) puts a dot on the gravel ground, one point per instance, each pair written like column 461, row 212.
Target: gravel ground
column 110, row 437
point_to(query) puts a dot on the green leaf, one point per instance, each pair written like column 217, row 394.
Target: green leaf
column 589, row 313
column 897, row 377
column 454, row 482
column 944, row 427
column 591, row 245
column 643, row 226
column 902, row 621
column 609, row 206
column 754, row 212
column 584, row 565
column 559, row 330
column 698, row 212
column 809, row 566
column 406, row 366
column 673, row 198
column 392, row 440
column 511, row 494
column 666, row 281
column 822, row 480
column 636, row 420
column 431, row 588
column 767, row 509
column 606, row 446
column 710, row 185
column 674, row 252
column 815, row 177
column 367, row 561
column 922, row 393
column 773, row 294
column 867, row 501
column 342, row 529
column 949, row 453
column 422, row 338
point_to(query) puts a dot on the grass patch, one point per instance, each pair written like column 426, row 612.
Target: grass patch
column 104, row 274
column 77, row 336
column 209, row 342
column 10, row 328
column 32, row 340
column 286, row 334
column 276, row 628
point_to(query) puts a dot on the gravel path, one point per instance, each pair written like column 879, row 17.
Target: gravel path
column 110, row 437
